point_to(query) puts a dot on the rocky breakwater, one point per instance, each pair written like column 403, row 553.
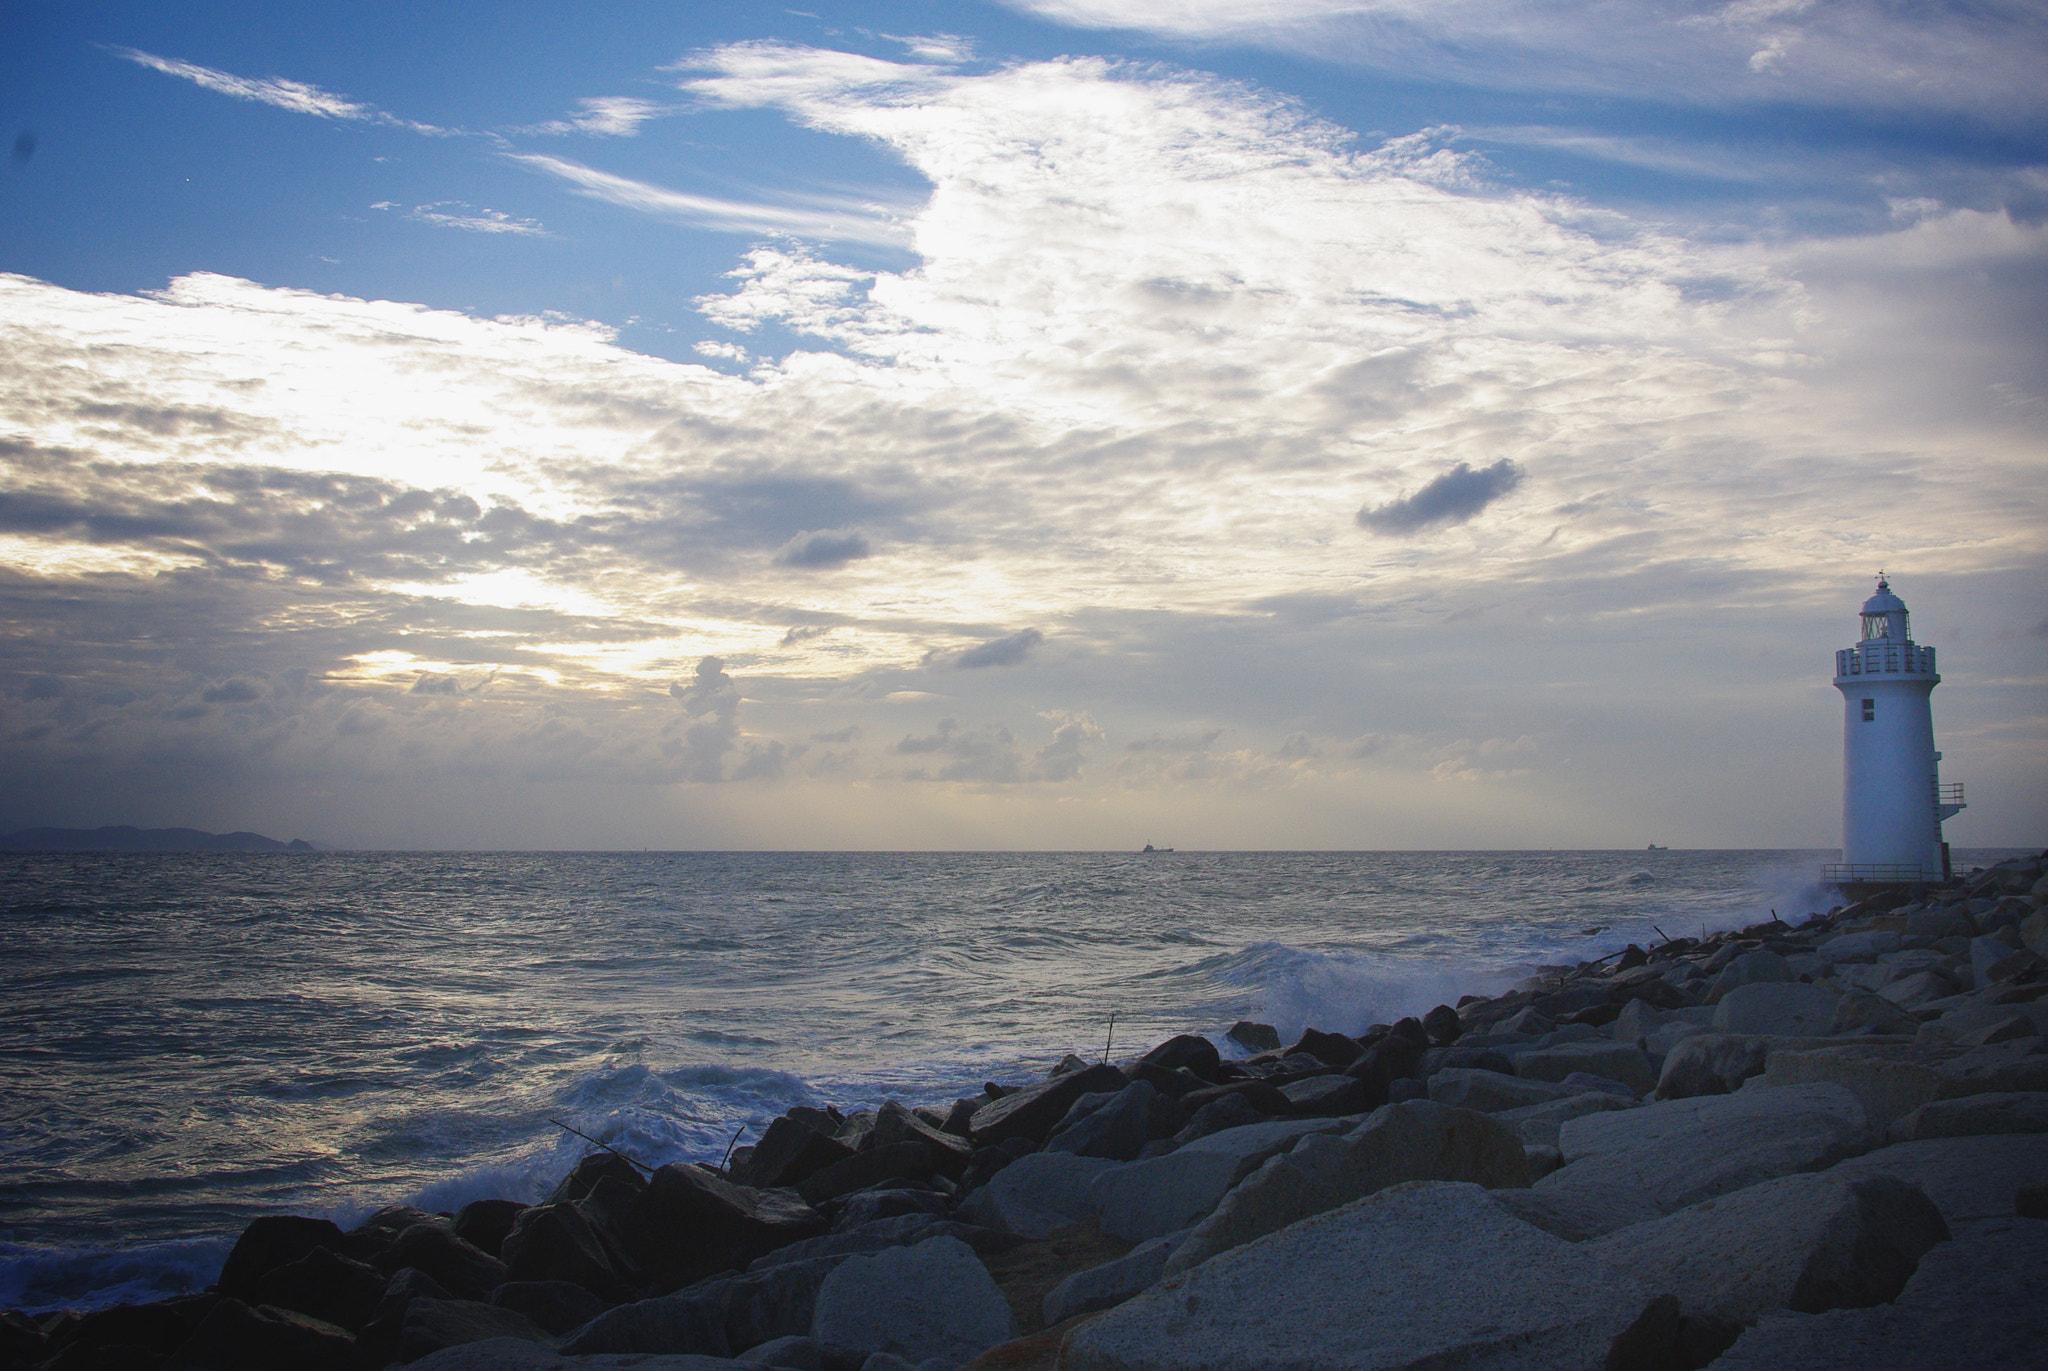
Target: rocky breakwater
column 1821, row 1145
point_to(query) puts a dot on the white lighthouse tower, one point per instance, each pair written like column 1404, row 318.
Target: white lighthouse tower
column 1893, row 802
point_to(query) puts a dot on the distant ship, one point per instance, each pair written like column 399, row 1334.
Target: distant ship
column 1150, row 848
column 1655, row 848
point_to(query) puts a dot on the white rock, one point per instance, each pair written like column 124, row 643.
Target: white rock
column 1415, row 1141
column 932, row 1300
column 1974, row 1303
column 1808, row 1242
column 1967, row 1178
column 1039, row 1194
column 1576, row 1216
column 1162, row 1195
column 1429, row 1275
column 1622, row 1062
column 1489, row 1092
column 1537, row 1124
column 1679, row 1152
column 1783, row 1008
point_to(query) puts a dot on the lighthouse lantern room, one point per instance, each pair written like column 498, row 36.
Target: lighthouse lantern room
column 1893, row 801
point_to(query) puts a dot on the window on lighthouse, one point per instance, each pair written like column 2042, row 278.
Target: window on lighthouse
column 1869, row 711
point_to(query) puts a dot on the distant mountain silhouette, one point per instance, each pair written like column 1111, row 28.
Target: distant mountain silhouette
column 125, row 838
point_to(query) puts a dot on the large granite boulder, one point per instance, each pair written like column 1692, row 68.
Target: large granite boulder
column 1623, row 1062
column 1780, row 1008
column 1679, row 1152
column 934, row 1300
column 1421, row 1276
column 1162, row 1195
column 1404, row 1142
column 1809, row 1242
column 1111, row 1283
column 1973, row 1303
column 1489, row 1092
column 1039, row 1194
column 1117, row 1125
column 1969, row 1178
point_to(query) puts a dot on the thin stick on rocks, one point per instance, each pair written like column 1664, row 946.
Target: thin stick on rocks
column 637, row 1166
column 1112, row 1035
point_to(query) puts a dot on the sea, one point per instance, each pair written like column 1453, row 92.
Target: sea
column 190, row 1040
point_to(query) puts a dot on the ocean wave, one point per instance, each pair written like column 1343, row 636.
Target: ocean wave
column 1345, row 992
column 36, row 1280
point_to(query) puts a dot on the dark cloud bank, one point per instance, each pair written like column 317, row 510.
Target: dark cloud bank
column 1451, row 498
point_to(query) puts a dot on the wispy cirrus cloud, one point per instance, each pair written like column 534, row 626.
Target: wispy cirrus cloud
column 607, row 116
column 821, row 218
column 298, row 97
column 457, row 215
column 1984, row 59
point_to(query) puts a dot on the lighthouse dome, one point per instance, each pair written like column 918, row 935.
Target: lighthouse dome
column 1884, row 614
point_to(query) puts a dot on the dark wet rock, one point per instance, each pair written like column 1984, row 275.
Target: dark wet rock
column 902, row 1161
column 1443, row 1025
column 690, row 1223
column 1262, row 1095
column 555, row 1306
column 713, row 1317
column 1195, row 1053
column 457, row 1265
column 1332, row 1049
column 1254, row 1037
column 379, row 1337
column 127, row 1335
column 1227, row 1111
column 326, row 1286
column 22, row 1339
column 895, row 1124
column 559, row 1242
column 789, row 1152
column 238, row 1337
column 1466, row 1057
column 268, row 1243
column 1570, row 1000
column 396, row 1218
column 584, row 1176
column 1327, row 1097
column 873, row 1206
column 1032, row 1111
column 483, row 1224
column 987, row 1161
column 961, row 1116
column 432, row 1324
column 1175, row 1083
column 856, row 1129
column 1117, row 1126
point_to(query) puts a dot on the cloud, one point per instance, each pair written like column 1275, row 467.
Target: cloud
column 279, row 92
column 1160, row 331
column 712, row 702
column 1451, row 498
column 824, row 549
column 819, row 217
column 479, row 221
column 1980, row 59
column 1008, row 651
column 607, row 116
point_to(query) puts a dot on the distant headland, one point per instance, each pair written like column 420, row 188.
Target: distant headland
column 127, row 838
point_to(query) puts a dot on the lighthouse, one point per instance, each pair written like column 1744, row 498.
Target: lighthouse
column 1893, row 801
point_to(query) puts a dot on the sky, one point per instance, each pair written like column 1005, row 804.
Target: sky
column 1043, row 424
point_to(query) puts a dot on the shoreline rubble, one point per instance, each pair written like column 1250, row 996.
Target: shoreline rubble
column 1784, row 1146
